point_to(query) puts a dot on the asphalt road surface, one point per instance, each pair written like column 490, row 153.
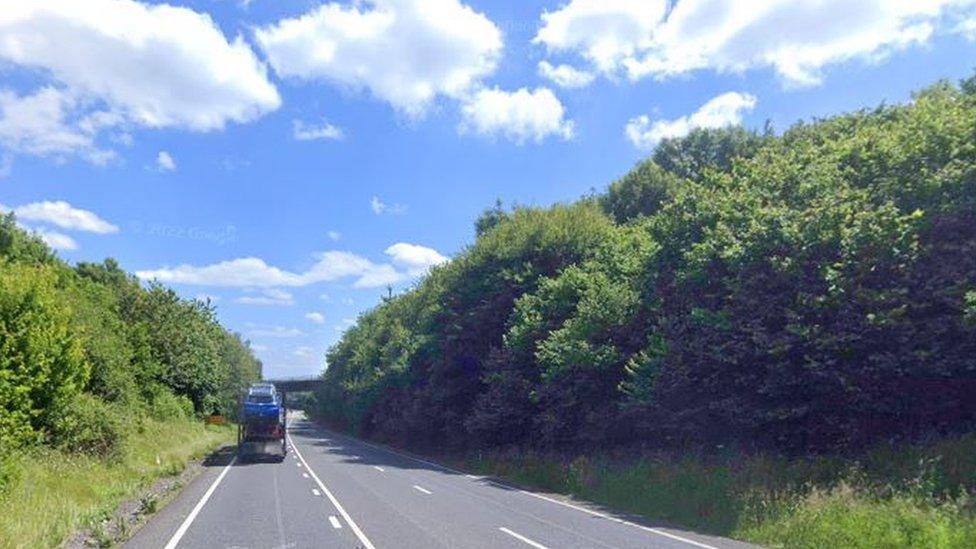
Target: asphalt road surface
column 335, row 491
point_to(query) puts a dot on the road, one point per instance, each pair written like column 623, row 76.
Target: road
column 335, row 491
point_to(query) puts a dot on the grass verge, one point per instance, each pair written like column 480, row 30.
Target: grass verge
column 891, row 497
column 47, row 495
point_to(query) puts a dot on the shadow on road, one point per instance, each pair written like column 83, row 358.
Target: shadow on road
column 354, row 451
column 223, row 457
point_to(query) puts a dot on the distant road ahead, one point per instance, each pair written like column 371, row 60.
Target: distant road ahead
column 334, row 491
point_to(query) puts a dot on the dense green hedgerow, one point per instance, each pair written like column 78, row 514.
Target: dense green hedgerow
column 87, row 350
column 810, row 291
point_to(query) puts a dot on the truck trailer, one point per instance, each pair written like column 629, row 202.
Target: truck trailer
column 262, row 423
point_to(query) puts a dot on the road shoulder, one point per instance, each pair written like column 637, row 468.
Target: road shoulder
column 154, row 530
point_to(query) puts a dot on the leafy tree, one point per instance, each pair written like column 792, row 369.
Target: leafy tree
column 42, row 363
column 641, row 192
column 807, row 292
column 703, row 149
column 490, row 218
column 81, row 347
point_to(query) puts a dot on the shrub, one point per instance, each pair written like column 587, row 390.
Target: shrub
column 164, row 405
column 89, row 425
column 42, row 362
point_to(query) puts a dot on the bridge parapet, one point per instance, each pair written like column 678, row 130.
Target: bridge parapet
column 296, row 384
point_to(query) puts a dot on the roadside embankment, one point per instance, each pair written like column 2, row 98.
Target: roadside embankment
column 907, row 496
column 46, row 495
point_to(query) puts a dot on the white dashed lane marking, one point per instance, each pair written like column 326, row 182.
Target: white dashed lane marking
column 522, row 538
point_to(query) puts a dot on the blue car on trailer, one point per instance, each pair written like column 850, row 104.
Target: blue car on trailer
column 262, row 423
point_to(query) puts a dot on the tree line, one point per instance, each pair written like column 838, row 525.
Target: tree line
column 808, row 291
column 86, row 351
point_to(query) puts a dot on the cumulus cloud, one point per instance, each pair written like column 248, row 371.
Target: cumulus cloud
column 304, row 132
column 243, row 272
column 114, row 63
column 796, row 38
column 165, row 162
column 519, row 116
column 967, row 28
column 270, row 296
column 378, row 276
column 44, row 123
column 405, row 52
column 379, row 207
column 566, row 76
column 276, row 332
column 64, row 215
column 252, row 272
column 56, row 240
column 724, row 110
column 333, row 235
column 315, row 317
column 415, row 259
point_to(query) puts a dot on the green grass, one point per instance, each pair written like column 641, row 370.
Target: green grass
column 48, row 495
column 908, row 496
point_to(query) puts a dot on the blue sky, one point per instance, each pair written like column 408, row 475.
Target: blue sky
column 292, row 158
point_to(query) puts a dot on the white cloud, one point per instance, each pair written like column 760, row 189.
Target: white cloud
column 277, row 332
column 405, row 52
column 259, row 348
column 56, row 240
column 379, row 276
column 334, row 265
column 379, row 207
column 304, row 352
column 207, row 297
column 724, row 110
column 114, row 63
column 244, row 272
column 797, row 38
column 44, row 124
column 165, row 162
column 303, row 132
column 416, row 260
column 252, row 272
column 334, row 235
column 315, row 317
column 270, row 296
column 519, row 116
column 566, row 76
column 64, row 215
column 967, row 28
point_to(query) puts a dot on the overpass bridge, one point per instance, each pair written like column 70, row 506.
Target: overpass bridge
column 295, row 384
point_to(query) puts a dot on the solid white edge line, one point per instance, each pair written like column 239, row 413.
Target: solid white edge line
column 335, row 522
column 590, row 512
column 424, row 490
column 181, row 531
column 520, row 537
column 352, row 524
